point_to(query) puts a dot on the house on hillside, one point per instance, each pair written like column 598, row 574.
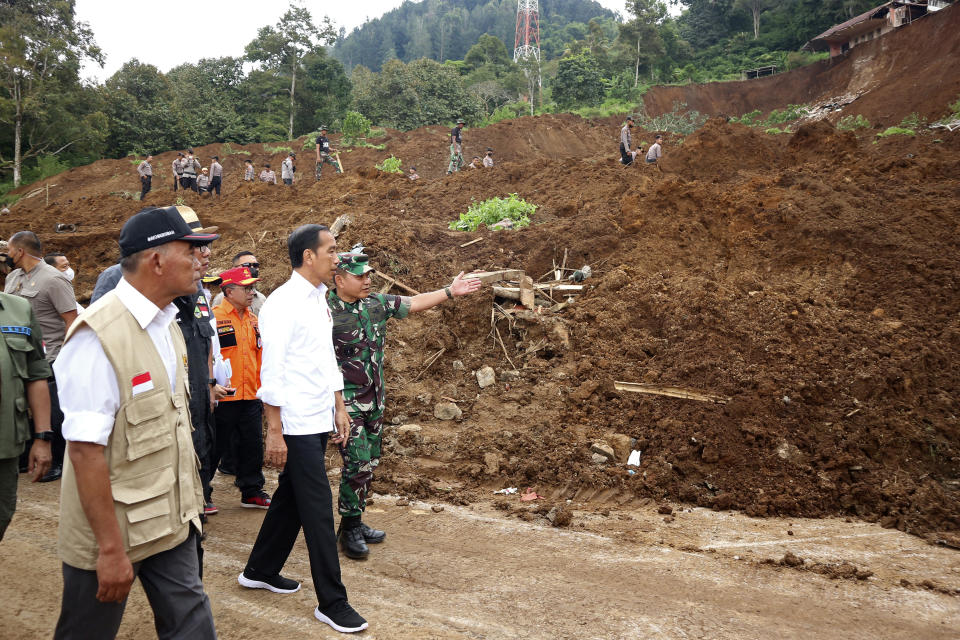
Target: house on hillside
column 872, row 24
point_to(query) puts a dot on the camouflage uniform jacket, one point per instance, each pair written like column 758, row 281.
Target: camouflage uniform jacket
column 359, row 333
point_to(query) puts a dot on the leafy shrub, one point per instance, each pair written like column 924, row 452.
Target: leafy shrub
column 896, row 131
column 789, row 114
column 377, row 132
column 679, row 120
column 391, row 165
column 494, row 210
column 851, row 123
column 355, row 126
column 749, row 119
column 277, row 149
column 775, row 130
column 50, row 165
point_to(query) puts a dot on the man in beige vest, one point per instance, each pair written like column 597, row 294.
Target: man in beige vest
column 131, row 497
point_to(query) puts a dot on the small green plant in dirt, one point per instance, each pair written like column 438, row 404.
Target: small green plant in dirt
column 913, row 121
column 227, row 150
column 851, row 123
column 789, row 114
column 896, row 131
column 277, row 149
column 750, row 119
column 775, row 130
column 494, row 210
column 377, row 132
column 391, row 165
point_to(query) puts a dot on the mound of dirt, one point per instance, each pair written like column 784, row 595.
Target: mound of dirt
column 812, row 279
column 883, row 80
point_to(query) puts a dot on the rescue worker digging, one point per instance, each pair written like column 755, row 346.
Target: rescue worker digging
column 359, row 333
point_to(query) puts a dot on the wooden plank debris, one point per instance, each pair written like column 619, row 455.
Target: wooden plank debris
column 527, row 298
column 340, row 224
column 488, row 277
column 475, row 241
column 673, row 392
column 397, row 283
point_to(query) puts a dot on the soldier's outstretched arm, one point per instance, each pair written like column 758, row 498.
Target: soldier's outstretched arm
column 460, row 286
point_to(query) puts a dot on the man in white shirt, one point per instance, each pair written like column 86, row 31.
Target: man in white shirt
column 301, row 389
column 116, row 478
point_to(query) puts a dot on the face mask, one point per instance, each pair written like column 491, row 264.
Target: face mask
column 70, row 274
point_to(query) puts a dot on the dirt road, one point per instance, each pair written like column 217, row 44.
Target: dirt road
column 472, row 572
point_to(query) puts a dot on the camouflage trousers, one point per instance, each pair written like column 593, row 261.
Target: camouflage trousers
column 327, row 158
column 361, row 456
column 456, row 158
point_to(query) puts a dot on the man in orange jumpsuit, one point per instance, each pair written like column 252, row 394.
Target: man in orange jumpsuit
column 239, row 414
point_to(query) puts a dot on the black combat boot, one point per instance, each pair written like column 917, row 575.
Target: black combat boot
column 352, row 542
column 371, row 535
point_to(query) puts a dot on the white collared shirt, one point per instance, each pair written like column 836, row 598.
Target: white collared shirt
column 299, row 373
column 86, row 381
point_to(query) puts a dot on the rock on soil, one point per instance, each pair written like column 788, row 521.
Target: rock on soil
column 447, row 411
column 486, row 377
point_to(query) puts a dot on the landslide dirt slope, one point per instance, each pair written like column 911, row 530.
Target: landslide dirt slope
column 818, row 290
column 911, row 70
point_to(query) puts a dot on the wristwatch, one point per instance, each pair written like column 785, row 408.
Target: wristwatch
column 448, row 292
column 46, row 436
column 211, row 381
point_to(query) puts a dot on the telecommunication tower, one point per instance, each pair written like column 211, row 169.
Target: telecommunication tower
column 528, row 30
column 527, row 43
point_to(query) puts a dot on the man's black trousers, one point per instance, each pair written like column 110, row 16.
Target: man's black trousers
column 302, row 499
column 239, row 423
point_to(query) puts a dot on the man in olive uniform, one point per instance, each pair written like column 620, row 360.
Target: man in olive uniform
column 23, row 382
column 456, row 148
column 359, row 333
column 324, row 151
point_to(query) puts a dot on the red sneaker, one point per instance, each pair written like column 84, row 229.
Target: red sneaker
column 258, row 501
column 210, row 509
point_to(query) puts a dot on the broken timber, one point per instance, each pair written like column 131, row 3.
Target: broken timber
column 673, row 392
column 396, row 283
column 340, row 224
column 467, row 244
column 486, row 277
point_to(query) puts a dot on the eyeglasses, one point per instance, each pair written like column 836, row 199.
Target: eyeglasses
column 202, row 247
column 250, row 265
column 248, row 288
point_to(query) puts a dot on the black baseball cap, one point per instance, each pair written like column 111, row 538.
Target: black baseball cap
column 155, row 226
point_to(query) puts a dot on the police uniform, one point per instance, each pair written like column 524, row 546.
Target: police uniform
column 216, row 176
column 323, row 151
column 287, row 169
column 359, row 333
column 21, row 361
column 177, row 171
column 189, row 166
column 145, row 171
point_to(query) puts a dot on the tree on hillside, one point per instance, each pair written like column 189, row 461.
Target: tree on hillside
column 142, row 118
column 641, row 34
column 281, row 48
column 41, row 48
column 756, row 9
column 578, row 82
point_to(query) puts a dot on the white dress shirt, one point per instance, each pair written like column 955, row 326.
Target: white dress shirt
column 87, row 382
column 299, row 372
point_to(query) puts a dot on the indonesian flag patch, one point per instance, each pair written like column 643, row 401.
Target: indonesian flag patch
column 142, row 383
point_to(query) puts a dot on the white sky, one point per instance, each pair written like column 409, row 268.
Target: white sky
column 167, row 34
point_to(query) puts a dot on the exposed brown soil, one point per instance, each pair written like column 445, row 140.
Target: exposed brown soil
column 911, row 70
column 811, row 277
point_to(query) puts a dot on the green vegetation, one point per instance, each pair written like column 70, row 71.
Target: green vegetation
column 494, row 210
column 775, row 130
column 227, row 150
column 391, row 165
column 751, row 119
column 896, row 131
column 277, row 149
column 789, row 114
column 851, row 123
column 678, row 120
column 913, row 121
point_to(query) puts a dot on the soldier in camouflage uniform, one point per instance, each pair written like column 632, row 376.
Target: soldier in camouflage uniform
column 324, row 152
column 359, row 333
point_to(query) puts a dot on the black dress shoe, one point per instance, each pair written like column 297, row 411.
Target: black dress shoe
column 53, row 474
column 371, row 535
column 353, row 544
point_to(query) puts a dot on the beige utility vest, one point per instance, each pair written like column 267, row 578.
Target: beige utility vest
column 153, row 467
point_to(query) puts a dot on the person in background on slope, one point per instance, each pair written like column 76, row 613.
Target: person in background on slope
column 456, row 147
column 145, row 171
column 324, row 152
